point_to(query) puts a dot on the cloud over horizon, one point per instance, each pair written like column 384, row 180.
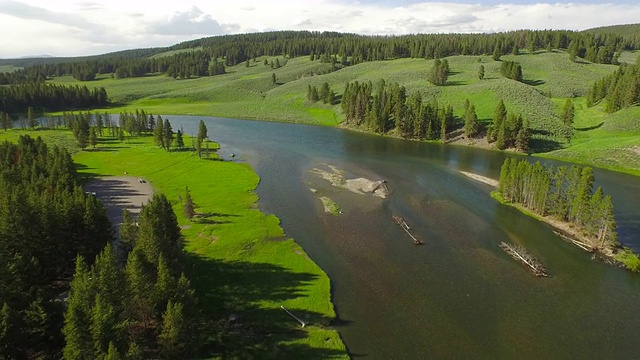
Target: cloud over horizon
column 97, row 26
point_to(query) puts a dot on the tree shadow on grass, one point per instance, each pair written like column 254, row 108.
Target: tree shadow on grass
column 590, row 127
column 544, row 145
column 534, row 82
column 238, row 326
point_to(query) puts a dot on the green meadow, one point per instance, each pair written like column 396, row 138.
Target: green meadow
column 601, row 139
column 243, row 264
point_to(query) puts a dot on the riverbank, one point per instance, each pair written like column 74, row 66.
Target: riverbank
column 564, row 230
column 244, row 268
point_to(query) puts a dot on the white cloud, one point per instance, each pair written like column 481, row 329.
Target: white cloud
column 60, row 28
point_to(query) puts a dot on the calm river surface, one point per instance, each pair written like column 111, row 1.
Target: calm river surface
column 458, row 295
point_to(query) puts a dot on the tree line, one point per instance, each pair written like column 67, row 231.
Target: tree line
column 386, row 107
column 324, row 94
column 337, row 48
column 511, row 70
column 50, row 97
column 46, row 220
column 564, row 193
column 508, row 130
column 620, row 89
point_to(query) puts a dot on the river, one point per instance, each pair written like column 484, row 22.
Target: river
column 458, row 295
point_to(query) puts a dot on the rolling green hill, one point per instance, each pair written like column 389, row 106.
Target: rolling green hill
column 601, row 139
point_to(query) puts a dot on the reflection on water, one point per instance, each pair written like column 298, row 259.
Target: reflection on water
column 458, row 295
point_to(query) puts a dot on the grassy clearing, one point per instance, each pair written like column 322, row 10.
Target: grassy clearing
column 242, row 261
column 9, row 68
column 604, row 140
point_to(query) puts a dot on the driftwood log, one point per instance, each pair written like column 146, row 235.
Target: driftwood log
column 403, row 224
column 521, row 255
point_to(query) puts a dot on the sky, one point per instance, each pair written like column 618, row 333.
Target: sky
column 88, row 27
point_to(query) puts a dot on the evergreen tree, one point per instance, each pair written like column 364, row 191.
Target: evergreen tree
column 128, row 231
column 77, row 320
column 523, row 138
column 189, row 208
column 31, row 116
column 202, row 134
column 6, row 121
column 497, row 53
column 168, row 134
column 173, row 339
column 93, row 137
column 120, row 134
column 159, row 134
column 481, row 72
column 104, row 322
column 274, row 80
column 499, row 116
column 113, row 353
column 568, row 113
column 179, row 140
column 471, row 124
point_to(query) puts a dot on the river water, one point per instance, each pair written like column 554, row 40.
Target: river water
column 458, row 295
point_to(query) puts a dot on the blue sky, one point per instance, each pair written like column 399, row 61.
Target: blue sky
column 85, row 27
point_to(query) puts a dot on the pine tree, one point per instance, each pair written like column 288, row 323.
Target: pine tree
column 165, row 286
column 139, row 276
column 202, row 135
column 471, row 124
column 104, row 322
column 274, row 80
column 179, row 140
column 499, row 116
column 168, row 134
column 523, row 138
column 7, row 123
column 113, row 353
column 93, row 137
column 173, row 339
column 568, row 113
column 31, row 116
column 159, row 233
column 189, row 208
column 159, row 134
column 481, row 72
column 77, row 319
column 497, row 53
column 128, row 231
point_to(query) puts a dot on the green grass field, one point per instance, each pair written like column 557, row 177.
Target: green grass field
column 549, row 78
column 243, row 262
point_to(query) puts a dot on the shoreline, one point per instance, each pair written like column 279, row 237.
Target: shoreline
column 564, row 230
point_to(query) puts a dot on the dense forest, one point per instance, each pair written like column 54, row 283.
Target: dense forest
column 146, row 309
column 48, row 97
column 46, row 220
column 345, row 49
column 563, row 193
column 132, row 300
column 620, row 89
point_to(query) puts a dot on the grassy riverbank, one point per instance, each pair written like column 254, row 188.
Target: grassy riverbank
column 244, row 266
column 605, row 140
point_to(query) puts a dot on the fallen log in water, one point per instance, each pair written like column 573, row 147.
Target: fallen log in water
column 520, row 254
column 583, row 246
column 403, row 224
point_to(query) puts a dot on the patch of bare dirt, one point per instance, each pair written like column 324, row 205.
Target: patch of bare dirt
column 118, row 193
